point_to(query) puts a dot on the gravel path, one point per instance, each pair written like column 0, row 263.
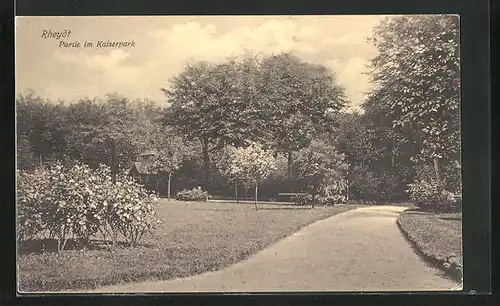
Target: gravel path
column 359, row 250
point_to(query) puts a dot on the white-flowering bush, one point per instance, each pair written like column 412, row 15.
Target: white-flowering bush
column 75, row 201
column 251, row 165
column 31, row 192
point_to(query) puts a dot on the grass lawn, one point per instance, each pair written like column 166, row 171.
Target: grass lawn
column 436, row 235
column 194, row 238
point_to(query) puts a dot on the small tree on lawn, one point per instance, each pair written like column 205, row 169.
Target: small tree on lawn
column 167, row 160
column 251, row 165
column 223, row 163
column 164, row 162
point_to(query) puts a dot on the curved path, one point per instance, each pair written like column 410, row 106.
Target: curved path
column 359, row 250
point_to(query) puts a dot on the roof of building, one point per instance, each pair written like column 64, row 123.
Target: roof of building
column 138, row 166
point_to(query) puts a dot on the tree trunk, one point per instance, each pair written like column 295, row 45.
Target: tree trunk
column 256, row 191
column 206, row 163
column 236, row 191
column 168, row 184
column 437, row 169
column 289, row 168
column 347, row 187
column 41, row 162
column 113, row 161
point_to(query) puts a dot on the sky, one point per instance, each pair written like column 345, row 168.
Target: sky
column 164, row 44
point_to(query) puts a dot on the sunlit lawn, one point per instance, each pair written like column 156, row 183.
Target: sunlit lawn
column 195, row 237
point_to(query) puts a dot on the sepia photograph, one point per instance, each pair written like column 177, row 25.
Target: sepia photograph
column 241, row 154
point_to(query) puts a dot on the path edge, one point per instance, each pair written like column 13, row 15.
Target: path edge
column 452, row 271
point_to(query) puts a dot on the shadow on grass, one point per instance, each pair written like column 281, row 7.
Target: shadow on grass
column 415, row 211
column 39, row 246
column 419, row 210
column 260, row 208
column 451, row 218
column 285, row 208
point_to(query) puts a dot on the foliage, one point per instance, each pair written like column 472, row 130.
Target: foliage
column 300, row 100
column 168, row 158
column 195, row 194
column 303, row 199
column 322, row 169
column 73, row 200
column 110, row 130
column 251, row 165
column 279, row 101
column 372, row 185
column 432, row 195
column 171, row 151
column 42, row 124
column 416, row 74
column 309, row 199
column 26, row 159
column 428, row 193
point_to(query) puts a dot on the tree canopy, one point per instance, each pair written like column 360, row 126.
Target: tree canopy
column 416, row 75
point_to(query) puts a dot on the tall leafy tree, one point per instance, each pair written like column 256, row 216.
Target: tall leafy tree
column 416, row 77
column 216, row 104
column 43, row 124
column 279, row 101
column 301, row 100
column 110, row 131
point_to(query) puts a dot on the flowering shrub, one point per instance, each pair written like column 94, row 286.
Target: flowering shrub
column 432, row 195
column 63, row 201
column 32, row 189
column 195, row 194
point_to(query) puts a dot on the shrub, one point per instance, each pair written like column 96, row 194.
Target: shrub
column 195, row 194
column 73, row 200
column 375, row 185
column 308, row 199
column 432, row 195
column 302, row 199
column 31, row 190
column 330, row 200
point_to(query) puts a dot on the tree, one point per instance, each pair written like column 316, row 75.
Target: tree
column 278, row 101
column 321, row 168
column 25, row 157
column 300, row 100
column 416, row 77
column 223, row 162
column 251, row 165
column 42, row 124
column 111, row 131
column 378, row 155
column 170, row 155
column 206, row 105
